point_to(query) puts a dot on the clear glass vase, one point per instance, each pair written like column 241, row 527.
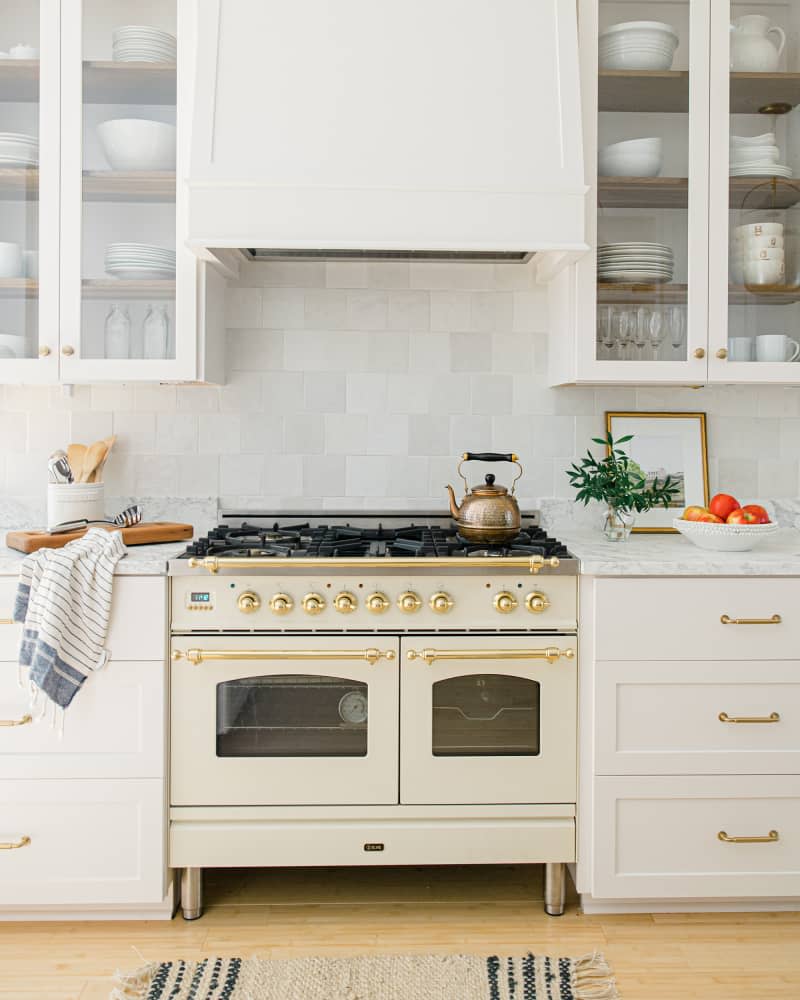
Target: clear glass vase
column 617, row 523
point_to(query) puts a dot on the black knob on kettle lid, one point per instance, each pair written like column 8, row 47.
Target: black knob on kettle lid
column 490, row 479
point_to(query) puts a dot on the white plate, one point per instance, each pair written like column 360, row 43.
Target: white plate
column 637, row 278
column 661, row 247
column 763, row 170
column 140, row 274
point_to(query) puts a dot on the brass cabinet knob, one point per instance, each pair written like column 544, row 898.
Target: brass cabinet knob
column 345, row 602
column 700, row 353
column 409, row 602
column 313, row 604
column 536, row 602
column 44, row 351
column 441, row 602
column 249, row 602
column 722, row 353
column 505, row 603
column 67, row 351
column 280, row 604
column 377, row 603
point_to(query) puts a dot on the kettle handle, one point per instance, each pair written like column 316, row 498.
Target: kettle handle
column 490, row 456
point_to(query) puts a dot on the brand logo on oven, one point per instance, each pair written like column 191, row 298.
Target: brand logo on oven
column 373, row 847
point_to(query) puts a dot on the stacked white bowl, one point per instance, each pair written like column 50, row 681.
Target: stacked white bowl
column 140, row 43
column 631, row 158
column 139, row 261
column 757, row 254
column 638, row 45
column 138, row 144
column 18, row 149
column 756, row 156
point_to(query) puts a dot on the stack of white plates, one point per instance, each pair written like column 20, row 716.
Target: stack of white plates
column 637, row 263
column 138, row 43
column 139, row 261
column 18, row 149
column 756, row 156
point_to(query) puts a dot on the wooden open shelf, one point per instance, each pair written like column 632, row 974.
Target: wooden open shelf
column 673, row 192
column 668, row 91
column 19, row 183
column 122, row 289
column 19, row 288
column 19, row 80
column 618, row 293
column 129, row 83
column 116, row 185
column 752, row 91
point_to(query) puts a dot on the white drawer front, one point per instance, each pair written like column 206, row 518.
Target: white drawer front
column 91, row 842
column 659, row 837
column 680, row 619
column 664, row 718
column 137, row 629
column 114, row 728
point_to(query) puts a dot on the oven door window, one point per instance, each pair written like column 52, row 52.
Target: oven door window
column 292, row 715
column 486, row 715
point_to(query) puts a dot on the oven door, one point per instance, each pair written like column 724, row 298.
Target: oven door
column 284, row 720
column 488, row 719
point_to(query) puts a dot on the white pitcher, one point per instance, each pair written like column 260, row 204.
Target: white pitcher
column 751, row 49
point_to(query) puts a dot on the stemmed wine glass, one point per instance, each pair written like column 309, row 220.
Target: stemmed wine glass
column 625, row 323
column 607, row 332
column 656, row 332
column 641, row 329
column 677, row 326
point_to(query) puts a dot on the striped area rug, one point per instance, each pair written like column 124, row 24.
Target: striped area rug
column 373, row 977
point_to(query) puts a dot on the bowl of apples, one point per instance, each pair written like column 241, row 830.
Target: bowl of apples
column 725, row 526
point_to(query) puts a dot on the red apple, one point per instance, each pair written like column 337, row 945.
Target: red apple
column 742, row 516
column 723, row 504
column 709, row 518
column 759, row 513
column 696, row 513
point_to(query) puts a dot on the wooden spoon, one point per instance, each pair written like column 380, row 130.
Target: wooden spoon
column 95, row 454
column 97, row 475
column 75, row 456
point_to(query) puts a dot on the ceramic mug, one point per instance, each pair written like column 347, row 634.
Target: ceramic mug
column 759, row 229
column 11, row 265
column 751, row 243
column 776, row 347
column 763, row 272
column 740, row 349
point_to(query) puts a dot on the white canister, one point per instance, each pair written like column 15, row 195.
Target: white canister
column 75, row 501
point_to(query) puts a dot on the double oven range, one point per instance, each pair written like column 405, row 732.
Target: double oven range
column 359, row 690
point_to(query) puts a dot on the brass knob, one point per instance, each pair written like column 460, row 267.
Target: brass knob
column 345, row 602
column 441, row 602
column 44, row 351
column 409, row 602
column 249, row 602
column 67, row 351
column 722, row 353
column 377, row 603
column 505, row 602
column 280, row 604
column 313, row 604
column 536, row 602
column 700, row 353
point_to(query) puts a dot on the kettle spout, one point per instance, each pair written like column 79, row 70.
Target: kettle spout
column 455, row 510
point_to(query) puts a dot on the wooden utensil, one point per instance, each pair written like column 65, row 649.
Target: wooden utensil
column 139, row 534
column 75, row 456
column 97, row 476
column 95, row 454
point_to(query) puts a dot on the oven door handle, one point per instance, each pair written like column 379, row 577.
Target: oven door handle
column 550, row 653
column 371, row 655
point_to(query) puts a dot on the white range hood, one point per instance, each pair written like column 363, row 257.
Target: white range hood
column 386, row 128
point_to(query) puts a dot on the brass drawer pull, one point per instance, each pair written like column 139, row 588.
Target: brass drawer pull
column 17, row 722
column 14, row 845
column 771, row 838
column 774, row 620
column 772, row 717
column 550, row 653
column 200, row 655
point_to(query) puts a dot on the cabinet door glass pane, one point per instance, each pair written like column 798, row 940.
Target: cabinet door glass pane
column 486, row 715
column 292, row 715
column 129, row 146
column 764, row 164
column 643, row 187
column 19, row 181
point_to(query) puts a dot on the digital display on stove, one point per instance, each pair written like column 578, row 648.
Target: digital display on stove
column 200, row 597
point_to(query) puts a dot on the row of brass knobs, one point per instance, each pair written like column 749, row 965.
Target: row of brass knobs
column 409, row 601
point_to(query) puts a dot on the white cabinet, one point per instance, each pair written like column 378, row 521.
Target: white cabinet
column 75, row 321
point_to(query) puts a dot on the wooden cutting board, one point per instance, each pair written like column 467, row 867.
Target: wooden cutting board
column 145, row 533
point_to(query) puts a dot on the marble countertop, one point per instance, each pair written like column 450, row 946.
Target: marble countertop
column 673, row 555
column 141, row 560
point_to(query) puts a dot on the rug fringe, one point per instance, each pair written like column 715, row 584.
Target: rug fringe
column 593, row 979
column 134, row 985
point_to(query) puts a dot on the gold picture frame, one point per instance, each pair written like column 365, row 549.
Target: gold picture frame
column 619, row 423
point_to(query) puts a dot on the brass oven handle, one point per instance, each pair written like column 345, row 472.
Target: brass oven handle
column 774, row 620
column 770, row 838
column 14, row 845
column 200, row 655
column 213, row 564
column 550, row 653
column 772, row 717
column 17, row 722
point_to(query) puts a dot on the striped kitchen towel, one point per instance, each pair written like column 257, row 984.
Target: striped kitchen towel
column 64, row 602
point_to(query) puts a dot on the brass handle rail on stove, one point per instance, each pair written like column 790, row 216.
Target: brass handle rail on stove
column 14, row 845
column 7, row 621
column 772, row 717
column 771, row 838
column 24, row 721
column 550, row 653
column 774, row 620
column 531, row 563
column 200, row 655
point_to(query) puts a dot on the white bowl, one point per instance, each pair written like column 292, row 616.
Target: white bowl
column 765, row 139
column 645, row 45
column 636, row 59
column 138, row 144
column 764, row 272
column 613, row 162
column 724, row 537
column 754, row 154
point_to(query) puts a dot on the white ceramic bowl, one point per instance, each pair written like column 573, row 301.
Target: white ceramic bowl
column 754, row 154
column 632, row 158
column 765, row 139
column 724, row 537
column 645, row 45
column 137, row 144
column 759, row 229
column 764, row 272
column 762, row 253
column 753, row 243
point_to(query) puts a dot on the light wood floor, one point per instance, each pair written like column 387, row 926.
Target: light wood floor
column 350, row 911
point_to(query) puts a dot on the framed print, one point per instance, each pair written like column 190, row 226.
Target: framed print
column 665, row 444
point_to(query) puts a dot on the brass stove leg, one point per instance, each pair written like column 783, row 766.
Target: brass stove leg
column 555, row 888
column 192, row 893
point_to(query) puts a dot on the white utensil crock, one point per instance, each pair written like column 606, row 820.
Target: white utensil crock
column 73, row 501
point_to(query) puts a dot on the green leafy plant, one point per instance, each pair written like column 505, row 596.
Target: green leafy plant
column 618, row 481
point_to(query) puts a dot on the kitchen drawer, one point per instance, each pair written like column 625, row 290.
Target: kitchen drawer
column 137, row 629
column 664, row 718
column 91, row 842
column 658, row 837
column 680, row 619
column 114, row 728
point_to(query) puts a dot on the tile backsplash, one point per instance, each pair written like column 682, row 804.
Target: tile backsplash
column 358, row 384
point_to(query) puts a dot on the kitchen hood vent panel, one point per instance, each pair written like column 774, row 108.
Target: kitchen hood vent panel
column 473, row 256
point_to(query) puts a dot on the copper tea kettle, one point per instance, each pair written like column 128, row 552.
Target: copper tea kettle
column 488, row 513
